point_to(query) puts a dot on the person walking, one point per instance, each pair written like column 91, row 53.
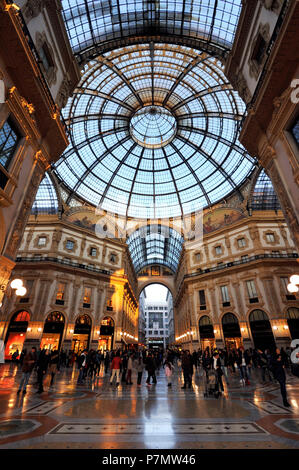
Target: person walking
column 139, row 365
column 151, row 369
column 218, row 370
column 129, row 370
column 42, row 366
column 168, row 367
column 280, row 376
column 28, row 366
column 115, row 368
column 82, row 363
column 187, row 367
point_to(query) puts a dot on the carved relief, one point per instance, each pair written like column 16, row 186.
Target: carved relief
column 33, row 8
column 64, row 93
column 239, row 83
column 273, row 5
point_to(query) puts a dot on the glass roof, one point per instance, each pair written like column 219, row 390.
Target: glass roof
column 154, row 133
column 155, row 244
column 90, row 23
column 264, row 196
column 46, row 201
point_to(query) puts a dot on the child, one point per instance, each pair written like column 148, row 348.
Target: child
column 168, row 371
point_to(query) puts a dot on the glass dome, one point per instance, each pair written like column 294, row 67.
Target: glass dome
column 154, row 133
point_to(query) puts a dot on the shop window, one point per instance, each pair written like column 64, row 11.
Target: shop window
column 9, row 140
column 252, row 292
column 202, row 300
column 60, row 294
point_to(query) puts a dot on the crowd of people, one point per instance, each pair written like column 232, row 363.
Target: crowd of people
column 120, row 366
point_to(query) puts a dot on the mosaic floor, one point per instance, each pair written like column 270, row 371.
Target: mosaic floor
column 97, row 415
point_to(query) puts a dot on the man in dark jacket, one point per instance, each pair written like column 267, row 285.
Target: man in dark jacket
column 42, row 365
column 28, row 366
column 187, row 367
column 151, row 369
column 82, row 363
column 280, row 376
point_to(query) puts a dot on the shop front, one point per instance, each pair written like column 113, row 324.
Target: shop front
column 53, row 331
column 206, row 333
column 293, row 322
column 16, row 335
column 82, row 331
column 231, row 332
column 106, row 335
column 261, row 330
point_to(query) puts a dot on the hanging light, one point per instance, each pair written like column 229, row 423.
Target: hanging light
column 294, row 279
column 16, row 284
column 292, row 288
column 21, row 291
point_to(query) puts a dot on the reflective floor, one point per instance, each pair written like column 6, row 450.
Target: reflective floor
column 96, row 415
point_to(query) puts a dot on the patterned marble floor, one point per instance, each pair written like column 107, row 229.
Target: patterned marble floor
column 97, row 415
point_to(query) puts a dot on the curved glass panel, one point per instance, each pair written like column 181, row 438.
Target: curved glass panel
column 264, row 197
column 154, row 133
column 46, row 201
column 155, row 244
column 91, row 22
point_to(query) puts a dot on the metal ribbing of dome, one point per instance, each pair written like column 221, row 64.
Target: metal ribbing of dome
column 154, row 133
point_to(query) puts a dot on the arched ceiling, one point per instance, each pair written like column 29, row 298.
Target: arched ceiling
column 95, row 26
column 154, row 133
column 155, row 244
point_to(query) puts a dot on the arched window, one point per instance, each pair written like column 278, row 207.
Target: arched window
column 21, row 316
column 204, row 321
column 229, row 318
column 258, row 315
column 107, row 321
column 55, row 317
column 84, row 320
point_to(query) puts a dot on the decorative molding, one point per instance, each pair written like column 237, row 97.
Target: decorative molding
column 239, row 83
